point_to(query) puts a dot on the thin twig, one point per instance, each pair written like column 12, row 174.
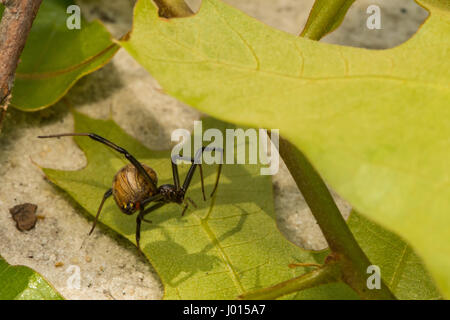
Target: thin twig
column 15, row 26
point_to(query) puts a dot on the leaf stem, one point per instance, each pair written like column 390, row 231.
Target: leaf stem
column 353, row 260
column 327, row 273
column 15, row 25
column 325, row 17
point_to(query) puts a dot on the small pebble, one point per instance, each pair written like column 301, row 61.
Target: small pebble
column 24, row 215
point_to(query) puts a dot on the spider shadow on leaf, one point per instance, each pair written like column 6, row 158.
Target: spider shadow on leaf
column 188, row 263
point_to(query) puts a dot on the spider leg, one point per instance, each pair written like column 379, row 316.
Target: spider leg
column 107, row 194
column 140, row 218
column 191, row 202
column 148, row 221
column 138, row 232
column 108, row 143
column 196, row 161
column 219, row 170
column 176, row 177
column 184, row 209
column 175, row 174
column 156, row 197
column 144, row 212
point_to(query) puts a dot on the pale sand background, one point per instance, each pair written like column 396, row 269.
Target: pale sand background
column 110, row 266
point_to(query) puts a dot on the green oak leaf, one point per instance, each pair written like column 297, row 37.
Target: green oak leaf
column 216, row 251
column 22, row 283
column 401, row 268
column 325, row 17
column 374, row 123
column 54, row 57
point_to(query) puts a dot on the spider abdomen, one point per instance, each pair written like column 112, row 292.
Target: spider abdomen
column 130, row 187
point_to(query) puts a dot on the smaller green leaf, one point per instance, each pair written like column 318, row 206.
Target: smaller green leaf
column 401, row 268
column 325, row 17
column 218, row 250
column 54, row 57
column 22, row 283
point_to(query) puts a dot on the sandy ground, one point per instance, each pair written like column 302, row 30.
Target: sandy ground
column 110, row 266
